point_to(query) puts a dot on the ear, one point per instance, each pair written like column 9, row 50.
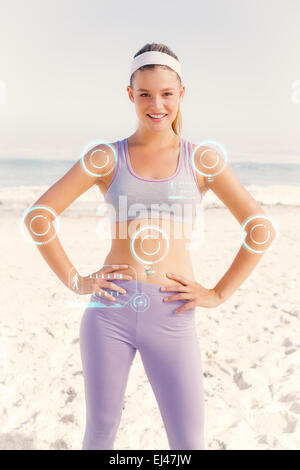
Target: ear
column 182, row 92
column 130, row 93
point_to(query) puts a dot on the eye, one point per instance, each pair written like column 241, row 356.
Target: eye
column 167, row 93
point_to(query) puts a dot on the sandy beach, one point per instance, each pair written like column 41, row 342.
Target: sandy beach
column 70, row 84
column 250, row 344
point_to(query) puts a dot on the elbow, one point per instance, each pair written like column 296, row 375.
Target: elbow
column 38, row 224
column 260, row 234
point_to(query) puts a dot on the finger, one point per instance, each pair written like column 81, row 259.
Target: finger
column 178, row 287
column 179, row 278
column 113, row 286
column 177, row 297
column 120, row 266
column 114, row 267
column 105, row 294
column 185, row 307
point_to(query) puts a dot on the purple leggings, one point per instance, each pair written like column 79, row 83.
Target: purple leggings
column 110, row 334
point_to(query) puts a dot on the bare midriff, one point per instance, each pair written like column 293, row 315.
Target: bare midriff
column 157, row 244
column 169, row 250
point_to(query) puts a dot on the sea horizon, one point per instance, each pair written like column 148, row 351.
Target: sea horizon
column 26, row 172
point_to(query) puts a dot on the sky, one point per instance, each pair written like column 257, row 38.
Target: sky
column 64, row 69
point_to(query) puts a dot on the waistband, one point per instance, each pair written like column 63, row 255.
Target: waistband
column 133, row 286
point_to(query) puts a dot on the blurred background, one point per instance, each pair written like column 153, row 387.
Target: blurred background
column 64, row 68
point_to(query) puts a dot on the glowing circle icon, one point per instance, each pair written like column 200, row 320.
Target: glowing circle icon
column 37, row 217
column 97, row 167
column 140, row 302
column 268, row 233
column 209, row 143
column 137, row 233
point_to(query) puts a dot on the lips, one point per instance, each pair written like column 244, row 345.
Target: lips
column 157, row 119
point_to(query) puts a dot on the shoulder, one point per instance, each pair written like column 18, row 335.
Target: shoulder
column 101, row 149
column 209, row 152
column 198, row 152
column 102, row 155
column 102, row 159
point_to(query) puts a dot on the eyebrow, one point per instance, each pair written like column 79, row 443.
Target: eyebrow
column 164, row 89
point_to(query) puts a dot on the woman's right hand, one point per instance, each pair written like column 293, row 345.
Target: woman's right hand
column 93, row 283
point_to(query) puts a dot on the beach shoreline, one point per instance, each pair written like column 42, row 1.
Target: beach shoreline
column 249, row 345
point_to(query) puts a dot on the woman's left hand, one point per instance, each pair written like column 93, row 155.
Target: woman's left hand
column 198, row 295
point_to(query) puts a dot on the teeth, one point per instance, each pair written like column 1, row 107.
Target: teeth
column 157, row 115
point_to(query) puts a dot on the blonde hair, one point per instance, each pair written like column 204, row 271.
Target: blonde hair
column 177, row 123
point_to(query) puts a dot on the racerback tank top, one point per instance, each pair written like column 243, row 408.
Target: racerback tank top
column 130, row 196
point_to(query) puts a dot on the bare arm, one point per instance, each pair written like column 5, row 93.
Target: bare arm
column 260, row 232
column 40, row 219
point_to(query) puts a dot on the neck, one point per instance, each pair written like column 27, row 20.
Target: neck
column 155, row 139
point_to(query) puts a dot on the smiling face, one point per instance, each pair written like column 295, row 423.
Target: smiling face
column 156, row 91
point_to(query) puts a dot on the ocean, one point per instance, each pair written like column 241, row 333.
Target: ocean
column 27, row 172
column 23, row 181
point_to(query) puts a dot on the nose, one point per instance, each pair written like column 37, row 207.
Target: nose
column 156, row 103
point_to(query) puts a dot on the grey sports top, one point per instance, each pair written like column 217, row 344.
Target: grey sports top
column 130, row 196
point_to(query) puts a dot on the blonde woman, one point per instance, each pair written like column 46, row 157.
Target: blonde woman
column 145, row 295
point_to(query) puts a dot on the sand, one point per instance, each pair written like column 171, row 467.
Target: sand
column 250, row 344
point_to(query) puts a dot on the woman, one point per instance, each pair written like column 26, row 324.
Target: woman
column 149, row 170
